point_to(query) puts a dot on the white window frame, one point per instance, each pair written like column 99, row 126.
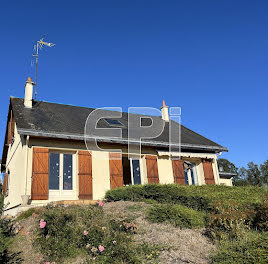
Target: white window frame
column 196, row 175
column 62, row 194
column 131, row 170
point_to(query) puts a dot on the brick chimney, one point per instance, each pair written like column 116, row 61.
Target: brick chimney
column 28, row 98
column 164, row 110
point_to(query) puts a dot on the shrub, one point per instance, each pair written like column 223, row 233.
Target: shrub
column 25, row 214
column 78, row 230
column 228, row 220
column 260, row 221
column 6, row 233
column 4, row 243
column 196, row 197
column 252, row 248
column 177, row 215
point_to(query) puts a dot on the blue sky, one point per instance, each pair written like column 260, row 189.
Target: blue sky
column 209, row 57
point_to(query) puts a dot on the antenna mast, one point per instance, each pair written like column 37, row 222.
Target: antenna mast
column 39, row 45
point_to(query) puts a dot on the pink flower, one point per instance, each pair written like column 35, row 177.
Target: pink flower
column 114, row 242
column 101, row 248
column 85, row 233
column 47, row 262
column 100, row 203
column 42, row 223
column 27, row 233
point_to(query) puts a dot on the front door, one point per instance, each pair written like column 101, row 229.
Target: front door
column 61, row 176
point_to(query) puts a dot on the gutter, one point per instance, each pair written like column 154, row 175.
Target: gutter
column 82, row 137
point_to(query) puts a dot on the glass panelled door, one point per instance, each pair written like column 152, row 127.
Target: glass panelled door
column 190, row 174
column 67, row 172
column 61, row 176
column 54, row 171
column 136, row 172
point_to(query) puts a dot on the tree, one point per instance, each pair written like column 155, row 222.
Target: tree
column 227, row 166
column 264, row 172
column 241, row 178
column 254, row 174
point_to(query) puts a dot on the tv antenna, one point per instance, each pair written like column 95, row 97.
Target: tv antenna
column 39, row 45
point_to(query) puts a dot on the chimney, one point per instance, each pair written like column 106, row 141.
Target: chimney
column 164, row 110
column 28, row 98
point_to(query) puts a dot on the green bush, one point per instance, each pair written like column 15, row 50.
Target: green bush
column 63, row 237
column 6, row 233
column 196, row 197
column 260, row 221
column 25, row 214
column 228, row 221
column 252, row 248
column 4, row 243
column 177, row 215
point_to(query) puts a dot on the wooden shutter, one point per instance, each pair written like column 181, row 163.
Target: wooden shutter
column 9, row 133
column 116, row 170
column 40, row 174
column 5, row 184
column 152, row 170
column 85, row 175
column 208, row 172
column 11, row 129
column 178, row 171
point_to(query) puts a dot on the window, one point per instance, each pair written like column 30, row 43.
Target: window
column 186, row 177
column 136, row 172
column 114, row 122
column 190, row 173
column 131, row 171
column 60, row 171
column 67, row 172
column 54, row 171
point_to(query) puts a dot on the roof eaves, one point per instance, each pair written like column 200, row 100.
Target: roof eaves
column 226, row 175
column 116, row 140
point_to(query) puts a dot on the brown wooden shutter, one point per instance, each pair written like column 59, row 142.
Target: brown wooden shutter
column 40, row 174
column 11, row 129
column 208, row 172
column 152, row 170
column 178, row 171
column 5, row 184
column 116, row 170
column 85, row 175
column 9, row 135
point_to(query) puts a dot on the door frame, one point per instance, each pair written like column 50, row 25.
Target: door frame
column 195, row 174
column 64, row 194
column 131, row 169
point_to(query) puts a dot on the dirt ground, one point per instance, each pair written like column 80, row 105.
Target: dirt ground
column 23, row 242
column 179, row 245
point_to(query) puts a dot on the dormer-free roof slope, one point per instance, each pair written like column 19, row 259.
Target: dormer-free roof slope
column 46, row 119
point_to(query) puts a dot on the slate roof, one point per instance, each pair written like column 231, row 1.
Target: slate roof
column 66, row 121
column 226, row 175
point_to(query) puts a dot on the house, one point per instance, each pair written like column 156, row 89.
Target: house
column 226, row 178
column 45, row 157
